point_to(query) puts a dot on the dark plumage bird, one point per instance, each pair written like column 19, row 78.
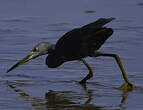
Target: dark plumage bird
column 76, row 45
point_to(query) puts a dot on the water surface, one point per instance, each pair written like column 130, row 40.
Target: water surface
column 24, row 23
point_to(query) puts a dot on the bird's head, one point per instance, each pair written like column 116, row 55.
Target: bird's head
column 39, row 50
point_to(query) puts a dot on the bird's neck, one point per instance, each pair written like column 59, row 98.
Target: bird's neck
column 52, row 48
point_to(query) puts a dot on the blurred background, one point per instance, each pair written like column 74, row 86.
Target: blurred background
column 25, row 23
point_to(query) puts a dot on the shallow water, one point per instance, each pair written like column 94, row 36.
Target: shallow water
column 24, row 23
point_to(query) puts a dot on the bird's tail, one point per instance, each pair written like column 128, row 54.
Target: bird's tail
column 98, row 24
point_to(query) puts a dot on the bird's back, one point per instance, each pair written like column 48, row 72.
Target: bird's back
column 69, row 45
column 80, row 42
column 77, row 42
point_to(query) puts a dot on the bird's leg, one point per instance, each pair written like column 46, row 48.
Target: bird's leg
column 127, row 84
column 90, row 74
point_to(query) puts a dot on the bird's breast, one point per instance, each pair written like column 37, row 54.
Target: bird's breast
column 53, row 61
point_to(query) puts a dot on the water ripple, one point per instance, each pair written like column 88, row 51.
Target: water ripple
column 11, row 30
column 17, row 20
column 58, row 27
column 58, row 24
column 130, row 28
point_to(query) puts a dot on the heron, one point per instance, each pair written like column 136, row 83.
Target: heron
column 77, row 44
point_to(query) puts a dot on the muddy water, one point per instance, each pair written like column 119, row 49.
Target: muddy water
column 33, row 86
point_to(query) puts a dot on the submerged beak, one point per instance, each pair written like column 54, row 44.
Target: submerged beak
column 24, row 60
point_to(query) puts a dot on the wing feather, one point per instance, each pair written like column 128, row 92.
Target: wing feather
column 78, row 42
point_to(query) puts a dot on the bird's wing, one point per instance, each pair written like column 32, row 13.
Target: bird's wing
column 76, row 42
column 96, row 40
column 94, row 34
column 69, row 44
column 94, row 26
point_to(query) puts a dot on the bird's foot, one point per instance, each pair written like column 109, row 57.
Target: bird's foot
column 127, row 86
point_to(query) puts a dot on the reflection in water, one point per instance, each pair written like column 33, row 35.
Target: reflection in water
column 124, row 97
column 59, row 100
column 56, row 100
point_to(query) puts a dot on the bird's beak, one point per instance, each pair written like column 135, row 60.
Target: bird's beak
column 24, row 60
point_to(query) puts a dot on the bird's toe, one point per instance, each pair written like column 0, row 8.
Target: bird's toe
column 127, row 87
